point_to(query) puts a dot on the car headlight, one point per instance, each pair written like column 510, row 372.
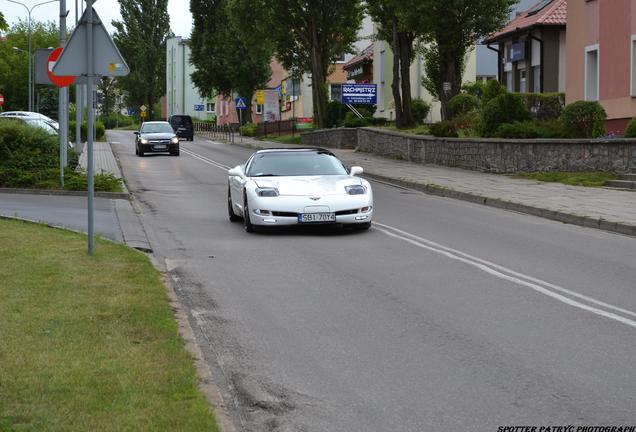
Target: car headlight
column 356, row 190
column 174, row 140
column 144, row 141
column 267, row 192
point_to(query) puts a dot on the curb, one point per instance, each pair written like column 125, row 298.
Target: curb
column 568, row 218
column 111, row 195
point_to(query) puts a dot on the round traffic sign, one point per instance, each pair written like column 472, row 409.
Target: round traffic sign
column 60, row 81
column 1, row 99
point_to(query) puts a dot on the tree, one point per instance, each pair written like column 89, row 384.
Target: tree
column 449, row 29
column 14, row 69
column 390, row 14
column 314, row 35
column 108, row 87
column 3, row 23
column 230, row 47
column 141, row 39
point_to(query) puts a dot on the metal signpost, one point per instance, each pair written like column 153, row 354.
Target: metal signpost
column 241, row 105
column 90, row 53
column 142, row 112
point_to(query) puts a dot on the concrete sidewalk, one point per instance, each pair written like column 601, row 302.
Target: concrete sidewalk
column 602, row 208
column 104, row 161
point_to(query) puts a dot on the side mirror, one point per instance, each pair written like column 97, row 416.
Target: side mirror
column 237, row 171
column 356, row 170
column 136, row 132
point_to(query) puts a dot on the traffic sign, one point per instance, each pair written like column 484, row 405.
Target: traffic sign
column 107, row 60
column 241, row 103
column 1, row 99
column 260, row 97
column 60, row 81
column 143, row 108
column 198, row 107
column 143, row 114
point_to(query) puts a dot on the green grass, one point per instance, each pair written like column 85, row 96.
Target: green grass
column 132, row 127
column 590, row 179
column 418, row 130
column 284, row 139
column 89, row 343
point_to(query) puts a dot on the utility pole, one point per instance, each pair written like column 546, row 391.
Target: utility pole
column 63, row 100
column 79, row 105
column 89, row 129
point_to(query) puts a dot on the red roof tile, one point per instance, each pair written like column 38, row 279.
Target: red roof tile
column 554, row 14
column 366, row 54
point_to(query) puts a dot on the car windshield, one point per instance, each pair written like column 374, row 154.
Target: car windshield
column 156, row 128
column 295, row 164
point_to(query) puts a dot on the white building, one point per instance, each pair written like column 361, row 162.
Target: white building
column 182, row 97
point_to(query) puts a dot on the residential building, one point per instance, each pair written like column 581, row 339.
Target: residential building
column 601, row 63
column 383, row 77
column 182, row 97
column 359, row 69
column 532, row 49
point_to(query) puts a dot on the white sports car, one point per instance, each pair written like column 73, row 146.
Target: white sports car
column 301, row 186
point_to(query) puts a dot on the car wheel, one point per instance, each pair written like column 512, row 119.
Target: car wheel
column 230, row 208
column 136, row 151
column 175, row 153
column 247, row 223
column 362, row 226
column 140, row 152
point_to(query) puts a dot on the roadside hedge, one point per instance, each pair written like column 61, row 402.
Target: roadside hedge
column 462, row 103
column 249, row 129
column 531, row 129
column 444, row 129
column 100, row 130
column 630, row 131
column 420, row 109
column 505, row 108
column 544, row 106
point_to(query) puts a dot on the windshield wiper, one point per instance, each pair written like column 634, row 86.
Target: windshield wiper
column 265, row 175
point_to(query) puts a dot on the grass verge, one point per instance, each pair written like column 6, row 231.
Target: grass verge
column 89, row 343
column 590, row 179
column 418, row 130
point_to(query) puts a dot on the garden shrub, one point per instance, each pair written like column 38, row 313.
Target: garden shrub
column 492, row 89
column 630, row 131
column 112, row 120
column 353, row 121
column 377, row 121
column 444, row 129
column 462, row 103
column 249, row 129
column 420, row 110
column 100, row 130
column 474, row 88
column 544, row 106
column 584, row 119
column 531, row 129
column 505, row 108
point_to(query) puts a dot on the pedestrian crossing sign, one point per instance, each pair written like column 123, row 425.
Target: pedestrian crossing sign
column 241, row 103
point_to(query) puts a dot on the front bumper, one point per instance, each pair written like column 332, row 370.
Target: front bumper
column 154, row 148
column 284, row 210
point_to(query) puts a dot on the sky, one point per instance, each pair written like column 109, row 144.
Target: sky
column 108, row 10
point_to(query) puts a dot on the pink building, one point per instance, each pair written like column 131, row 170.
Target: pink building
column 601, row 60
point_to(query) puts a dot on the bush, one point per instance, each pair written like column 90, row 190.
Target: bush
column 249, row 129
column 353, row 121
column 544, row 106
column 492, row 89
column 530, row 130
column 584, row 119
column 505, row 108
column 100, row 130
column 462, row 103
column 444, row 129
column 112, row 120
column 377, row 121
column 474, row 88
column 335, row 114
column 630, row 131
column 420, row 110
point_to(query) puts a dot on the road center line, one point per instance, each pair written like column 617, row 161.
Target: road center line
column 205, row 159
column 498, row 271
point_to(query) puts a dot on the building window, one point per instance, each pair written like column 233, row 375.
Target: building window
column 259, row 109
column 536, row 79
column 591, row 73
column 341, row 59
column 633, row 86
column 210, row 107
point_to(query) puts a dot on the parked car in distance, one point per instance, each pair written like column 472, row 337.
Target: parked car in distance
column 156, row 137
column 300, row 186
column 30, row 114
column 182, row 125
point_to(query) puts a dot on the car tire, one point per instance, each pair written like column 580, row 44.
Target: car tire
column 174, row 153
column 136, row 151
column 362, row 227
column 247, row 223
column 230, row 209
column 140, row 153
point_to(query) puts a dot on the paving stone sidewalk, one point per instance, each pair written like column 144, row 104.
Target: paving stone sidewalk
column 103, row 159
column 607, row 209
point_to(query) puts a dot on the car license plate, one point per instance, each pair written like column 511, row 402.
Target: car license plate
column 160, row 147
column 316, row 217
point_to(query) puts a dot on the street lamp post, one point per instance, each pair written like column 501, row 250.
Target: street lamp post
column 29, row 10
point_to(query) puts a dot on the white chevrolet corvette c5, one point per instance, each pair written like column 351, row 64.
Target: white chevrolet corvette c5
column 301, row 186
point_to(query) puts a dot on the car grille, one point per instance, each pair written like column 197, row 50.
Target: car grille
column 164, row 142
column 347, row 212
column 284, row 214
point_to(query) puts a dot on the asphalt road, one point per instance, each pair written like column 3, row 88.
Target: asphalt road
column 444, row 316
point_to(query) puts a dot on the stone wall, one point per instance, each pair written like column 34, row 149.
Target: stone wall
column 489, row 155
column 341, row 138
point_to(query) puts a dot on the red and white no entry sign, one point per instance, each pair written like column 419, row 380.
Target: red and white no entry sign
column 60, row 81
column 1, row 99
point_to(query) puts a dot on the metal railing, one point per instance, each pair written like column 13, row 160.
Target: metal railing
column 215, row 132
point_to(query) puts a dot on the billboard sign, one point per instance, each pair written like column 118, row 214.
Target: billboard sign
column 359, row 94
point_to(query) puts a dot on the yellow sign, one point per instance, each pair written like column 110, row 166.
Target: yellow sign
column 143, row 108
column 260, row 97
column 143, row 114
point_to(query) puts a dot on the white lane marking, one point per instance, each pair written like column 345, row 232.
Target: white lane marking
column 205, row 159
column 512, row 276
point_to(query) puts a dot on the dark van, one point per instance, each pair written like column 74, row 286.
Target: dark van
column 182, row 126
